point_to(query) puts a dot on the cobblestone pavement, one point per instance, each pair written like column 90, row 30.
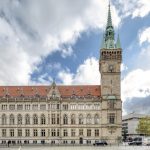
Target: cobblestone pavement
column 78, row 148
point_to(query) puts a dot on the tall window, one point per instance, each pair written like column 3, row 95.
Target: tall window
column 43, row 119
column 96, row 119
column 80, row 119
column 4, row 107
column 65, row 132
column 19, row 118
column 111, row 118
column 88, row 119
column 11, row 119
column 43, row 132
column 65, row 106
column 35, row 119
column 111, row 104
column 80, row 132
column 73, row 121
column 19, row 132
column 65, row 119
column 11, row 132
column 27, row 106
column 58, row 132
column 27, row 119
column 53, row 119
column 3, row 132
column 73, row 106
column 73, row 132
column 88, row 132
column 12, row 107
column 27, row 132
column 58, row 106
column 96, row 132
column 53, row 132
column 4, row 119
column 35, row 132
column 96, row 106
column 53, row 106
column 58, row 119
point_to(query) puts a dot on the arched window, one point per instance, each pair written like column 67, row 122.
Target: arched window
column 96, row 119
column 35, row 119
column 11, row 119
column 19, row 119
column 43, row 120
column 80, row 119
column 65, row 119
column 88, row 119
column 27, row 119
column 4, row 119
column 73, row 119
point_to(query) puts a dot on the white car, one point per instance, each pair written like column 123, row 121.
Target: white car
column 146, row 141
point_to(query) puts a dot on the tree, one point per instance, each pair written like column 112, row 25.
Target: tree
column 144, row 126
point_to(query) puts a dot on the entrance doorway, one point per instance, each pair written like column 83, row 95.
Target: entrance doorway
column 81, row 140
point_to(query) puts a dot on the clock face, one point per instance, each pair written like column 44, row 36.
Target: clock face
column 111, row 68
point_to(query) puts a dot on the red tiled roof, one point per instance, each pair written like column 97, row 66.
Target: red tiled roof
column 65, row 91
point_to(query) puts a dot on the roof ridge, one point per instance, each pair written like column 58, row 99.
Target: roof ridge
column 44, row 85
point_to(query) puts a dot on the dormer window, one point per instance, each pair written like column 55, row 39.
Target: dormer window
column 53, row 95
column 21, row 95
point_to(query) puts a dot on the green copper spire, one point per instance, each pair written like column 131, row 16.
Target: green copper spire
column 109, row 20
column 118, row 44
column 53, row 84
column 109, row 33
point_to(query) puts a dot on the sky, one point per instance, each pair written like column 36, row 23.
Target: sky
column 61, row 39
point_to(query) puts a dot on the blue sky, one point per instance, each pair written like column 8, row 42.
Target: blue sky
column 42, row 40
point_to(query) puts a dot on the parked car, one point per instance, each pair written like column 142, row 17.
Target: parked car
column 146, row 141
column 100, row 142
column 136, row 141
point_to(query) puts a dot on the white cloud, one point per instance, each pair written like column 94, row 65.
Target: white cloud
column 67, row 52
column 87, row 73
column 15, row 66
column 143, row 57
column 123, row 67
column 143, row 8
column 135, row 8
column 66, row 77
column 144, row 35
column 43, row 79
column 30, row 30
column 136, row 84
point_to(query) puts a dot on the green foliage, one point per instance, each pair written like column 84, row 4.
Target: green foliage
column 144, row 126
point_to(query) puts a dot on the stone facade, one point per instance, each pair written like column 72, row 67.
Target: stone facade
column 51, row 119
column 67, row 114
column 110, row 69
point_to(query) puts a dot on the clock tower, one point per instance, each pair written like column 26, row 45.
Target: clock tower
column 110, row 69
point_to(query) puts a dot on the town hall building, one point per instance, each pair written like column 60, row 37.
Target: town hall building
column 73, row 114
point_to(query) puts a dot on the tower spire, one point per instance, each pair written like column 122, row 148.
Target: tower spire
column 109, row 33
column 109, row 20
column 118, row 44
